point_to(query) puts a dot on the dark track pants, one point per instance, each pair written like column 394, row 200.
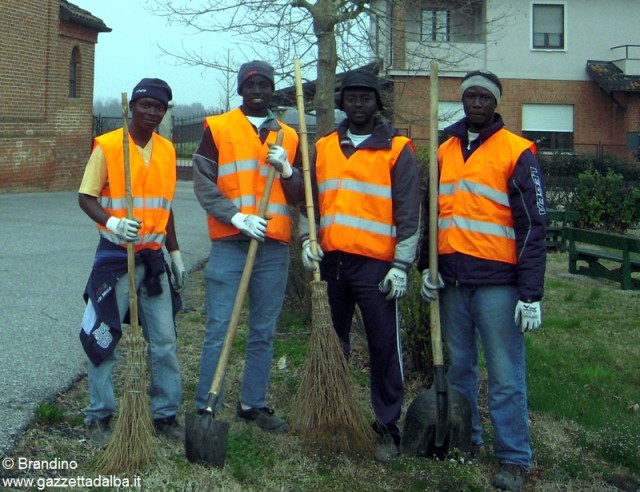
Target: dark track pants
column 354, row 279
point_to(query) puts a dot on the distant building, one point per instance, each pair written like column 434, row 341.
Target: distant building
column 569, row 68
column 46, row 93
column 570, row 72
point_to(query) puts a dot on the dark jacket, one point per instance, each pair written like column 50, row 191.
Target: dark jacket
column 405, row 186
column 527, row 202
column 100, row 339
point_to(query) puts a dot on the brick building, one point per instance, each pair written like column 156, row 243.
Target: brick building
column 46, row 93
column 569, row 68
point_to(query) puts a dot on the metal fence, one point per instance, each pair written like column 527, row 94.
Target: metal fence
column 185, row 134
column 598, row 149
column 104, row 124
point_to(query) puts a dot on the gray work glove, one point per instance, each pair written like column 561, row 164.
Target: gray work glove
column 178, row 270
column 394, row 283
column 309, row 260
column 278, row 158
column 251, row 225
column 528, row 316
column 125, row 229
column 429, row 291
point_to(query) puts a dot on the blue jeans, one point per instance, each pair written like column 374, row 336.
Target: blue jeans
column 486, row 312
column 266, row 294
column 156, row 319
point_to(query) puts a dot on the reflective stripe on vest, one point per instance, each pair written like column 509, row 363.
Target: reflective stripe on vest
column 242, row 172
column 355, row 199
column 474, row 213
column 152, row 187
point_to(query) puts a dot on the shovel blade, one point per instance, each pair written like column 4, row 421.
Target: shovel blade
column 206, row 439
column 422, row 423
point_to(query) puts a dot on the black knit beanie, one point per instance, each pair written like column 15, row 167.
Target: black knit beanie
column 155, row 88
column 360, row 78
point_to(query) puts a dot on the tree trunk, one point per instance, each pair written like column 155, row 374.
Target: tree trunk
column 325, row 83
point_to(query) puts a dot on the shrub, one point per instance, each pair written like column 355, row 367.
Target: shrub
column 607, row 201
column 603, row 188
column 297, row 297
column 416, row 330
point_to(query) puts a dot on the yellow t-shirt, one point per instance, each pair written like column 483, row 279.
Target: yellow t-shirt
column 95, row 174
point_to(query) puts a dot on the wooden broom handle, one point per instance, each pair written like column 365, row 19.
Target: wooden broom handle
column 131, row 260
column 306, row 168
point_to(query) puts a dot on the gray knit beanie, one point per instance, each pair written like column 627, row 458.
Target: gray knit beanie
column 485, row 79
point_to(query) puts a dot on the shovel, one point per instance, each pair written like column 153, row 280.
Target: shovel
column 439, row 419
column 206, row 437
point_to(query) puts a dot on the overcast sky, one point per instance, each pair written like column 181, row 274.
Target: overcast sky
column 129, row 53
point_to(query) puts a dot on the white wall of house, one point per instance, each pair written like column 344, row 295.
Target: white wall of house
column 592, row 28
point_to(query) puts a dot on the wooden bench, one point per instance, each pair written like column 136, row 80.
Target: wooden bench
column 556, row 221
column 620, row 254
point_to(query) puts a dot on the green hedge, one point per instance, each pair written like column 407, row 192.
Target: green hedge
column 605, row 190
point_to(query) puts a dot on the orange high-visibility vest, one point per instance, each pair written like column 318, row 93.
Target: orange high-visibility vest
column 474, row 213
column 354, row 195
column 152, row 187
column 242, row 172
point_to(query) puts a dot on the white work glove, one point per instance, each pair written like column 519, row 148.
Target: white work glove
column 528, row 316
column 178, row 270
column 429, row 291
column 125, row 229
column 395, row 283
column 277, row 157
column 309, row 260
column 253, row 226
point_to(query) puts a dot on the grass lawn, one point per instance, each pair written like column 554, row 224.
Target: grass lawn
column 584, row 385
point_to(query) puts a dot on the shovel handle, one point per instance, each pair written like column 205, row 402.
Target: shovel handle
column 440, row 381
column 436, row 336
column 223, row 361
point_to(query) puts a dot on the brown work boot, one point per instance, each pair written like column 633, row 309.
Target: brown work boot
column 510, row 477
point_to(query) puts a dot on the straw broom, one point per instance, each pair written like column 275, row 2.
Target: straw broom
column 324, row 411
column 131, row 446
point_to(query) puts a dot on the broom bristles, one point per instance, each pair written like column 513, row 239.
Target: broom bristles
column 324, row 411
column 131, row 447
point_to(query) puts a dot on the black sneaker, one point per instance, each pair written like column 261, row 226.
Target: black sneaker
column 265, row 419
column 387, row 443
column 170, row 428
column 510, row 477
column 100, row 432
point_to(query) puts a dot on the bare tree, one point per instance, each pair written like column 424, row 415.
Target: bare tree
column 280, row 30
column 327, row 35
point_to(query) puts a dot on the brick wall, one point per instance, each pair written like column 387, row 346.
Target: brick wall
column 597, row 118
column 45, row 136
